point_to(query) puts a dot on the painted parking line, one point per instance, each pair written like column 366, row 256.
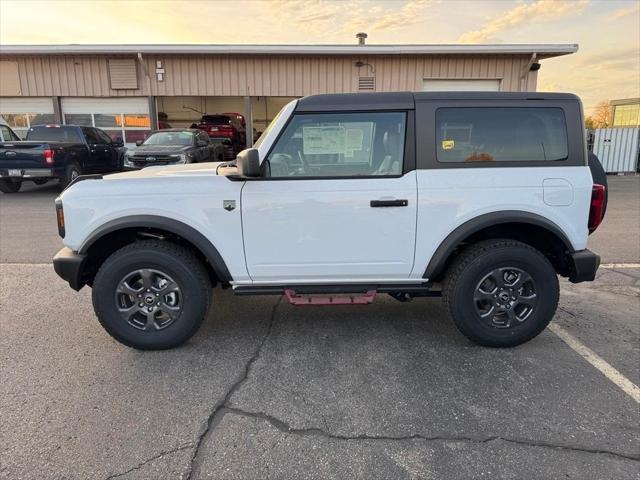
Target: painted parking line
column 620, row 265
column 626, row 385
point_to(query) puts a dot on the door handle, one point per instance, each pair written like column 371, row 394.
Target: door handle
column 389, row 203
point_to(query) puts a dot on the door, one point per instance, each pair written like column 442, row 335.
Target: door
column 203, row 147
column 113, row 155
column 98, row 159
column 339, row 202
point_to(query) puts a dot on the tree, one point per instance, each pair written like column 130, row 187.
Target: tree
column 601, row 116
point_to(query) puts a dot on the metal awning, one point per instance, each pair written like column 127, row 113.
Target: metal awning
column 542, row 50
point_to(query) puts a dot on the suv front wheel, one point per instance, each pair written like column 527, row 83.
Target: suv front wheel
column 501, row 293
column 151, row 295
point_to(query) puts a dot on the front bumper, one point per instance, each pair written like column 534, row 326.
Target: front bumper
column 583, row 266
column 69, row 265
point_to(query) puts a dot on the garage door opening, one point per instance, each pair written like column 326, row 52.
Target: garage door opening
column 182, row 112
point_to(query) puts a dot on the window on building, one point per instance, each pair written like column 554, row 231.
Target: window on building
column 128, row 127
column 626, row 116
column 501, row 134
column 339, row 145
column 82, row 119
column 21, row 122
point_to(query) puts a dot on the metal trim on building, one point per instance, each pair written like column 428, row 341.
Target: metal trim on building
column 543, row 50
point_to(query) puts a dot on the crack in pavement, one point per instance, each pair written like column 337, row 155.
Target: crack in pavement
column 218, row 410
column 318, row 432
column 149, row 460
column 223, row 407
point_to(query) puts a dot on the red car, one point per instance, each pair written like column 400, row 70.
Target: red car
column 228, row 128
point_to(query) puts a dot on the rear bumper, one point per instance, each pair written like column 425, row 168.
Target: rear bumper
column 583, row 266
column 27, row 173
column 69, row 265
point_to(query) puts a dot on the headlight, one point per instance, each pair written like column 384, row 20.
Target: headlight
column 127, row 161
column 182, row 158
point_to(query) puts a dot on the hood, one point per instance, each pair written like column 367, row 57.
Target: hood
column 159, row 149
column 164, row 171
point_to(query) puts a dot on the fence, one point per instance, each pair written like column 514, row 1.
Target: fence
column 617, row 148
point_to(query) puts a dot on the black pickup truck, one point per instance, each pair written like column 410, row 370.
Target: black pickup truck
column 58, row 152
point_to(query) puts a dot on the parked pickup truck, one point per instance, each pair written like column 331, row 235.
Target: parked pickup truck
column 173, row 146
column 481, row 198
column 57, row 152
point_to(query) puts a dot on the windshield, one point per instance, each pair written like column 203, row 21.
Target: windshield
column 269, row 127
column 170, row 138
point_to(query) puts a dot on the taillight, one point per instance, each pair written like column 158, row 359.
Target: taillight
column 597, row 206
column 48, row 156
column 225, row 131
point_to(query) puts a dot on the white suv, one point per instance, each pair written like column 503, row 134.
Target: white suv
column 482, row 198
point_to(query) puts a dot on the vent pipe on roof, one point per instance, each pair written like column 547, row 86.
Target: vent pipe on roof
column 361, row 38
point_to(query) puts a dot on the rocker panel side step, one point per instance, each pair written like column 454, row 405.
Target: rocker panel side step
column 414, row 289
column 343, row 299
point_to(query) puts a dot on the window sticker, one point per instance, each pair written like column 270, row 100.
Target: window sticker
column 354, row 140
column 323, row 140
column 448, row 144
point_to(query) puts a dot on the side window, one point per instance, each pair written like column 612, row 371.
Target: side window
column 340, row 145
column 90, row 135
column 103, row 137
column 508, row 134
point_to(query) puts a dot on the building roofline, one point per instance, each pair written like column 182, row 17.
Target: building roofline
column 624, row 101
column 542, row 50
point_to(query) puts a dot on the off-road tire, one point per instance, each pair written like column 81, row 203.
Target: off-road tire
column 471, row 266
column 181, row 265
column 10, row 186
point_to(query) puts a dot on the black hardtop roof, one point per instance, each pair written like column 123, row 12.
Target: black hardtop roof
column 406, row 100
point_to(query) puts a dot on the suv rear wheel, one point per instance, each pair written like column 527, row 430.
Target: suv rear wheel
column 151, row 295
column 501, row 293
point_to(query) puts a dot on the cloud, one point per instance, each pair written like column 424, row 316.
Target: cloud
column 347, row 17
column 376, row 19
column 524, row 13
column 625, row 12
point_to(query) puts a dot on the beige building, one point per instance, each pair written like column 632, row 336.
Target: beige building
column 120, row 88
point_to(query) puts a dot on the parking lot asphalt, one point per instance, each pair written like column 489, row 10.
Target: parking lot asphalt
column 267, row 390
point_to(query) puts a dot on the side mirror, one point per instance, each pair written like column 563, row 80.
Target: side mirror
column 201, row 143
column 138, row 143
column 248, row 163
column 118, row 142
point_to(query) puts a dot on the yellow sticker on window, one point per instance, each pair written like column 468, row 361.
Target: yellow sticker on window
column 448, row 144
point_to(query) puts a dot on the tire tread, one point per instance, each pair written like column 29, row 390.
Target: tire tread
column 459, row 266
column 176, row 251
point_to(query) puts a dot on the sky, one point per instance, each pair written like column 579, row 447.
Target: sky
column 607, row 65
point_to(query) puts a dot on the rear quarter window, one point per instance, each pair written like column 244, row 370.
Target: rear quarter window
column 501, row 134
column 54, row 134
